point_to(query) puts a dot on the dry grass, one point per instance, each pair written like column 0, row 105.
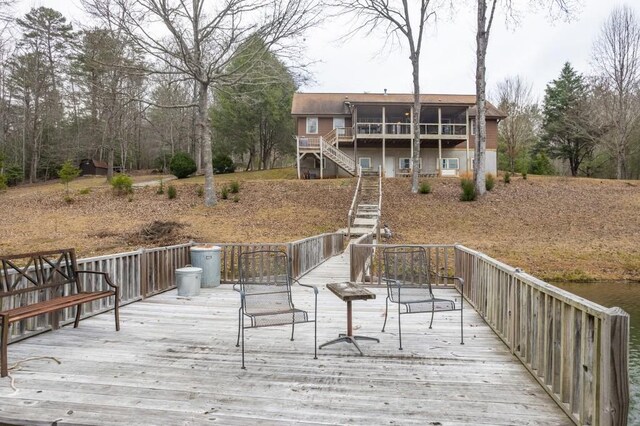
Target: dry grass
column 555, row 228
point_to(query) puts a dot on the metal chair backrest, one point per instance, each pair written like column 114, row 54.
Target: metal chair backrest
column 265, row 281
column 406, row 266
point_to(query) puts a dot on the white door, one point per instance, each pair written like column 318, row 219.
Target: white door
column 338, row 123
column 390, row 167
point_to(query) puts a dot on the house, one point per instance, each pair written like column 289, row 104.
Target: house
column 93, row 167
column 342, row 131
column 90, row 167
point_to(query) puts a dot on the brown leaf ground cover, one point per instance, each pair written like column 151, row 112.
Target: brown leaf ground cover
column 555, row 228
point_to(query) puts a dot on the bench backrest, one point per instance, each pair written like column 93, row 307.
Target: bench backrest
column 46, row 270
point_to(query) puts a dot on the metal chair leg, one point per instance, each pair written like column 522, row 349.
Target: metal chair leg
column 78, row 314
column 432, row 312
column 386, row 309
column 399, row 327
column 315, row 329
column 239, row 314
column 242, row 331
column 116, row 309
column 293, row 327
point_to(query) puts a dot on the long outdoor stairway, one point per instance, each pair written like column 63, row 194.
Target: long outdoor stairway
column 367, row 208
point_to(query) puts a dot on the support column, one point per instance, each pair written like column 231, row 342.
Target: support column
column 440, row 141
column 355, row 136
column 411, row 160
column 467, row 127
column 298, row 155
column 321, row 158
column 384, row 137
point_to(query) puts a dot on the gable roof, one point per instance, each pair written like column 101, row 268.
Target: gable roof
column 334, row 103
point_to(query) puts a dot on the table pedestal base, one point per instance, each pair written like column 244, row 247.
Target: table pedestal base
column 349, row 339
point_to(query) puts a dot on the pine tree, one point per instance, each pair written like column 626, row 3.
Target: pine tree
column 568, row 132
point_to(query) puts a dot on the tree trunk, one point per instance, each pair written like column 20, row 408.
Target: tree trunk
column 481, row 125
column 415, row 161
column 205, row 143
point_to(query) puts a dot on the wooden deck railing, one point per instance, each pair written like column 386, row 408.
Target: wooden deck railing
column 576, row 349
column 145, row 272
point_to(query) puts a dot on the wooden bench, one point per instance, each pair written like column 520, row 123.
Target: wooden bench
column 45, row 282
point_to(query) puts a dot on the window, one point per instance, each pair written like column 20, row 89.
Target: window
column 338, row 123
column 405, row 163
column 472, row 124
column 450, row 164
column 312, row 125
column 365, row 163
column 316, row 163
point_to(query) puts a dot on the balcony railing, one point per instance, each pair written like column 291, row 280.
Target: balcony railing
column 427, row 129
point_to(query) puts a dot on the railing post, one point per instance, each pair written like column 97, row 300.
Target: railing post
column 614, row 374
column 144, row 273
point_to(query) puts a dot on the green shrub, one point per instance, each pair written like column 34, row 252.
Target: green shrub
column 13, row 175
column 160, row 190
column 223, row 164
column 468, row 190
column 85, row 191
column 68, row 199
column 122, row 184
column 182, row 165
column 3, row 182
column 234, row 187
column 507, row 177
column 524, row 175
column 67, row 173
column 236, row 199
column 489, row 181
column 224, row 193
column 425, row 188
column 172, row 192
column 200, row 191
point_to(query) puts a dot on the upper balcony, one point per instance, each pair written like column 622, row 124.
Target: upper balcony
column 394, row 121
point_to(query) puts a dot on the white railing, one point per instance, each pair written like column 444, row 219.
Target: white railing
column 308, row 143
column 338, row 156
column 354, row 204
column 432, row 129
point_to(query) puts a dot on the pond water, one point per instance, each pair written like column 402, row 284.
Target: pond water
column 625, row 295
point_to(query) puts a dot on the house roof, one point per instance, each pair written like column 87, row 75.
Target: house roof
column 334, row 103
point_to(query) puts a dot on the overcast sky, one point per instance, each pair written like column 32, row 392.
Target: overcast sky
column 535, row 48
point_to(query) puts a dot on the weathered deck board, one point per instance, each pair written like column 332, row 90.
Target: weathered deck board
column 175, row 362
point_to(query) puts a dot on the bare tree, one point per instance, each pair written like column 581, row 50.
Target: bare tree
column 486, row 13
column 402, row 22
column 616, row 57
column 199, row 40
column 518, row 130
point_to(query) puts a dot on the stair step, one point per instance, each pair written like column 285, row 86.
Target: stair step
column 364, row 222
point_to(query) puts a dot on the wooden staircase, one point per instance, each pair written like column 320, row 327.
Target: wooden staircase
column 365, row 212
column 328, row 148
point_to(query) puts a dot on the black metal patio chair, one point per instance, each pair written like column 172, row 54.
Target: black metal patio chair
column 265, row 294
column 408, row 279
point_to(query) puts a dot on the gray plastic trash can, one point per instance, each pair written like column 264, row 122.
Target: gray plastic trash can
column 188, row 281
column 207, row 257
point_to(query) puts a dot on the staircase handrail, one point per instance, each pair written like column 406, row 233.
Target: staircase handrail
column 354, row 203
column 331, row 137
column 338, row 156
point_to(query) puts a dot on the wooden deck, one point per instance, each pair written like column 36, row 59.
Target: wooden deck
column 175, row 362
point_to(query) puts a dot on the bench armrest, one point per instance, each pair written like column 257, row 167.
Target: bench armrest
column 105, row 275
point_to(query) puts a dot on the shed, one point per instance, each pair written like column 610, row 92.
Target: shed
column 93, row 167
